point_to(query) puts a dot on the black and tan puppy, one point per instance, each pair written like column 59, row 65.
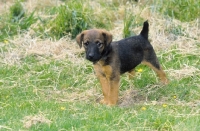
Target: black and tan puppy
column 111, row 59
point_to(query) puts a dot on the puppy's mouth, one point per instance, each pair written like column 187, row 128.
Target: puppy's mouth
column 93, row 58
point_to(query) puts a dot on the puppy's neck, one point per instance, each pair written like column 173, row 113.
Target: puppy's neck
column 106, row 52
column 105, row 55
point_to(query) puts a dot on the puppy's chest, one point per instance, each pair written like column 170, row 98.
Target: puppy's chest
column 103, row 70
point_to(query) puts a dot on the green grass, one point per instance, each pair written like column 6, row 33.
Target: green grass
column 33, row 87
column 72, row 18
column 131, row 21
column 16, row 21
column 184, row 10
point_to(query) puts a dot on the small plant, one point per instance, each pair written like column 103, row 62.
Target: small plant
column 72, row 18
column 130, row 22
column 17, row 21
column 176, row 30
column 17, row 11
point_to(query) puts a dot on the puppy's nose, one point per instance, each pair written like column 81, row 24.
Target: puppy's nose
column 91, row 55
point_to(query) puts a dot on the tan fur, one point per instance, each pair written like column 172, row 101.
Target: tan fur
column 110, row 87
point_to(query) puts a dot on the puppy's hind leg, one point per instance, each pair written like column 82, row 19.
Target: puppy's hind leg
column 151, row 60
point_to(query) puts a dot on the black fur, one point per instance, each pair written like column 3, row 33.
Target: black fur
column 132, row 51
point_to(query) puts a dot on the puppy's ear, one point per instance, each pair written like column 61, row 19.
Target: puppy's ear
column 107, row 36
column 79, row 39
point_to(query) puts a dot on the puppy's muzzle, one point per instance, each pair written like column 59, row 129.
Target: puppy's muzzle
column 92, row 53
column 90, row 56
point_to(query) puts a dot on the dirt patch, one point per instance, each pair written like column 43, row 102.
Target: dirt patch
column 29, row 121
column 131, row 97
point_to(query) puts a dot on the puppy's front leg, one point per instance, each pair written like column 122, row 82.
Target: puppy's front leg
column 110, row 89
column 105, row 89
column 113, row 90
column 109, row 83
column 103, row 81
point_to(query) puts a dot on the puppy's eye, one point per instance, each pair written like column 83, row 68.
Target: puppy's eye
column 99, row 44
column 86, row 43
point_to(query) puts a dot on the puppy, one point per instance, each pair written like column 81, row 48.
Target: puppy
column 111, row 59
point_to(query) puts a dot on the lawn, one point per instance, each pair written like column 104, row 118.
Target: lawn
column 47, row 84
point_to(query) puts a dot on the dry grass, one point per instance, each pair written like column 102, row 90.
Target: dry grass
column 160, row 38
column 66, row 96
column 158, row 34
column 26, row 45
column 29, row 121
column 186, row 71
column 29, row 5
column 4, row 5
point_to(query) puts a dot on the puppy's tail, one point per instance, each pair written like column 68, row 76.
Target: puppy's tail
column 145, row 30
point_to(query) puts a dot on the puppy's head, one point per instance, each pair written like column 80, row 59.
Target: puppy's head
column 94, row 41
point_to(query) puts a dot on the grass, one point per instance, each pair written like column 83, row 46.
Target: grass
column 185, row 10
column 69, row 18
column 16, row 21
column 131, row 20
column 47, row 84
column 42, row 89
column 73, row 17
column 58, row 92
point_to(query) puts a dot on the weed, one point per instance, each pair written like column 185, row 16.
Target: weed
column 72, row 18
column 130, row 22
column 17, row 22
column 176, row 30
column 17, row 12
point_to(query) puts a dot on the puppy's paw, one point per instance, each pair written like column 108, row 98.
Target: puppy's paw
column 103, row 101
column 108, row 103
column 165, row 81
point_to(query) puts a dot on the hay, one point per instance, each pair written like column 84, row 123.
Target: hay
column 31, row 120
column 26, row 45
column 160, row 37
column 186, row 71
